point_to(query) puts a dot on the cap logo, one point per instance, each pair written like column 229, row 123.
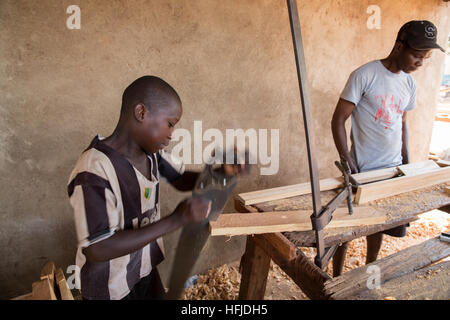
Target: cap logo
column 430, row 32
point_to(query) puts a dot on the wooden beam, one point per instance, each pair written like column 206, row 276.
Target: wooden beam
column 28, row 296
column 43, row 290
column 255, row 265
column 415, row 168
column 48, row 271
column 447, row 189
column 393, row 266
column 428, row 283
column 392, row 187
column 309, row 277
column 249, row 198
column 64, row 289
column 281, row 245
column 443, row 163
column 285, row 221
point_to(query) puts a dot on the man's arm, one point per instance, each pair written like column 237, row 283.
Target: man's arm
column 343, row 111
column 405, row 149
column 126, row 241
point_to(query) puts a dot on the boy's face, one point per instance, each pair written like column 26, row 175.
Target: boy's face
column 410, row 59
column 157, row 125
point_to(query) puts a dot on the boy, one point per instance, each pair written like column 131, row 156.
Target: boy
column 114, row 191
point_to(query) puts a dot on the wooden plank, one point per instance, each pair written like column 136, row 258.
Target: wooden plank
column 249, row 198
column 428, row 283
column 48, row 271
column 392, row 187
column 414, row 168
column 443, row 163
column 255, row 265
column 28, row 296
column 43, row 290
column 64, row 289
column 390, row 267
column 447, row 189
column 240, row 207
column 285, row 221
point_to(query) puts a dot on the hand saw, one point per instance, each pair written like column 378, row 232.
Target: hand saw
column 213, row 185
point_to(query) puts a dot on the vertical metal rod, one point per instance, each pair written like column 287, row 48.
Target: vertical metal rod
column 307, row 118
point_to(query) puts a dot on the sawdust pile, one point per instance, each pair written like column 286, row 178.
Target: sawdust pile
column 222, row 283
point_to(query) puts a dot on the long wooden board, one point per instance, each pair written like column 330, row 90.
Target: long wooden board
column 415, row 168
column 249, row 198
column 443, row 163
column 286, row 221
column 392, row 187
column 390, row 267
column 431, row 282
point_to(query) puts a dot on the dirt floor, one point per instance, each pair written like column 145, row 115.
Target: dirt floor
column 222, row 283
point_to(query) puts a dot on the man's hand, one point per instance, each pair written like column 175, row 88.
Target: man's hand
column 193, row 210
column 352, row 166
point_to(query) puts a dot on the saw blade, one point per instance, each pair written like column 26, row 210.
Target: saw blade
column 214, row 186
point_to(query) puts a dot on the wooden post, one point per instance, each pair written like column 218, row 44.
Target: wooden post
column 43, row 290
column 255, row 265
column 64, row 289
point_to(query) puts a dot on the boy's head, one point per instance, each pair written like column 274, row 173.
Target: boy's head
column 150, row 110
column 414, row 42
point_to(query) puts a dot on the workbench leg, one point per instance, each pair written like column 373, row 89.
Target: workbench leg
column 254, row 267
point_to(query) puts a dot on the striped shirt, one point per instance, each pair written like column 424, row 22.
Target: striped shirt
column 108, row 194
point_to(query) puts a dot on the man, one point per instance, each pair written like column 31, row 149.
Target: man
column 378, row 96
column 114, row 191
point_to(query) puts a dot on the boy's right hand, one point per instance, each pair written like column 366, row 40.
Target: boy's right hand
column 193, row 210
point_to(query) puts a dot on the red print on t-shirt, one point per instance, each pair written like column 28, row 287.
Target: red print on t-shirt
column 387, row 110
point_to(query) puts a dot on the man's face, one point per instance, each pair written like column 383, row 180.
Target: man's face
column 155, row 130
column 410, row 59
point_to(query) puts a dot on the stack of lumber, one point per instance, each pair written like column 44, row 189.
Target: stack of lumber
column 374, row 185
column 51, row 286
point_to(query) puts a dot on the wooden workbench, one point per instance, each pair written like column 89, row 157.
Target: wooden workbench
column 282, row 248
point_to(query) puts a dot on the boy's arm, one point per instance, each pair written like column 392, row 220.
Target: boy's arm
column 186, row 182
column 126, row 241
column 405, row 149
column 343, row 111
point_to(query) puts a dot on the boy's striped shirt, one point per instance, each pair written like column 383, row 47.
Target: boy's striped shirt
column 108, row 194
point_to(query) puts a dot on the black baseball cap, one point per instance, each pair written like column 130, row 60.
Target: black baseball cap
column 419, row 35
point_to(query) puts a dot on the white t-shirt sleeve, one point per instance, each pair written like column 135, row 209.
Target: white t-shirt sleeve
column 412, row 101
column 354, row 88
